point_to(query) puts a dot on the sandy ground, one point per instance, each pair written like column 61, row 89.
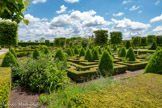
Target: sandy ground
column 3, row 51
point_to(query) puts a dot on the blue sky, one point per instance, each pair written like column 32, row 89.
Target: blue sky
column 68, row 18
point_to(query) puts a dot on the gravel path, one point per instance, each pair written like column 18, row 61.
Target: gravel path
column 3, row 51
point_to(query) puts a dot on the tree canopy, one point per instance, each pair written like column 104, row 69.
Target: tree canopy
column 101, row 37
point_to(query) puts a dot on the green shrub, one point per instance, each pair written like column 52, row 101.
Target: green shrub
column 100, row 50
column 155, row 63
column 59, row 55
column 106, row 64
column 158, row 48
column 36, row 54
column 154, row 46
column 88, row 55
column 130, row 55
column 95, row 55
column 128, row 45
column 5, row 86
column 123, row 52
column 13, row 52
column 69, row 52
column 108, row 49
column 82, row 52
column 9, row 60
column 119, row 51
column 76, row 51
column 72, row 51
column 46, row 51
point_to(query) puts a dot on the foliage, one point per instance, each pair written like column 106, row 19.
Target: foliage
column 13, row 52
column 46, row 51
column 69, row 52
column 59, row 55
column 101, row 37
column 130, row 55
column 36, row 54
column 100, row 50
column 82, row 52
column 144, row 41
column 106, row 64
column 108, row 49
column 115, row 37
column 154, row 46
column 9, row 60
column 60, row 42
column 8, row 33
column 47, row 42
column 76, row 51
column 132, row 92
column 136, row 41
column 159, row 40
column 128, row 44
column 155, row 63
column 122, row 52
column 95, row 55
column 13, row 9
column 88, row 55
column 5, row 86
column 151, row 39
column 158, row 48
column 84, row 43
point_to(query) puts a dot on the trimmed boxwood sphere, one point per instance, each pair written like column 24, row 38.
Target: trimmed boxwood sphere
column 9, row 60
column 88, row 55
column 36, row 54
column 13, row 52
column 155, row 63
column 59, row 55
column 82, row 52
column 130, row 55
column 106, row 64
column 95, row 55
column 123, row 52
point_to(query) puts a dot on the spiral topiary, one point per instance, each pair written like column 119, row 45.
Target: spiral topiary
column 82, row 52
column 13, row 52
column 106, row 64
column 95, row 55
column 130, row 55
column 88, row 55
column 59, row 55
column 155, row 63
column 123, row 52
column 9, row 60
column 36, row 54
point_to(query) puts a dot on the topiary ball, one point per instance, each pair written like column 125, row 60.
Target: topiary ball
column 155, row 63
column 88, row 55
column 76, row 51
column 36, row 54
column 69, row 52
column 106, row 64
column 154, row 46
column 95, row 55
column 46, row 50
column 130, row 55
column 13, row 52
column 9, row 60
column 82, row 52
column 59, row 55
column 123, row 52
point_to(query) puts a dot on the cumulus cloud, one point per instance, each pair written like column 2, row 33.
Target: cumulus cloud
column 134, row 8
column 38, row 1
column 156, row 19
column 118, row 14
column 126, row 1
column 63, row 9
column 158, row 30
column 71, row 1
column 157, row 2
column 139, row 11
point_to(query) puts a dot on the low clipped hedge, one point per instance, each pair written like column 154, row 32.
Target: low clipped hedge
column 5, row 86
column 119, row 69
column 24, row 53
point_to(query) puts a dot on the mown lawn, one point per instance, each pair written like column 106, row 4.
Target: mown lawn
column 140, row 91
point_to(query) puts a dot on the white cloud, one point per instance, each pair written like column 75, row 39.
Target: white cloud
column 126, row 1
column 118, row 14
column 139, row 11
column 63, row 9
column 134, row 8
column 158, row 30
column 157, row 2
column 156, row 19
column 71, row 1
column 38, row 1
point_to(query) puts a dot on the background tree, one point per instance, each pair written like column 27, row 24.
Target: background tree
column 143, row 41
column 42, row 39
column 151, row 39
column 101, row 37
column 159, row 40
column 136, row 41
column 128, row 44
column 47, row 42
column 13, row 10
column 8, row 34
column 56, row 42
column 115, row 37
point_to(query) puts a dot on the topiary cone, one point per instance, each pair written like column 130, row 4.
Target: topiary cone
column 82, row 52
column 123, row 52
column 59, row 55
column 106, row 64
column 36, row 54
column 88, row 55
column 46, row 51
column 13, row 52
column 130, row 55
column 95, row 55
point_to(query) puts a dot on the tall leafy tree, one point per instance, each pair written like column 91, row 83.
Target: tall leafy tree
column 143, row 41
column 136, row 41
column 115, row 37
column 151, row 39
column 159, row 40
column 47, row 42
column 101, row 37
